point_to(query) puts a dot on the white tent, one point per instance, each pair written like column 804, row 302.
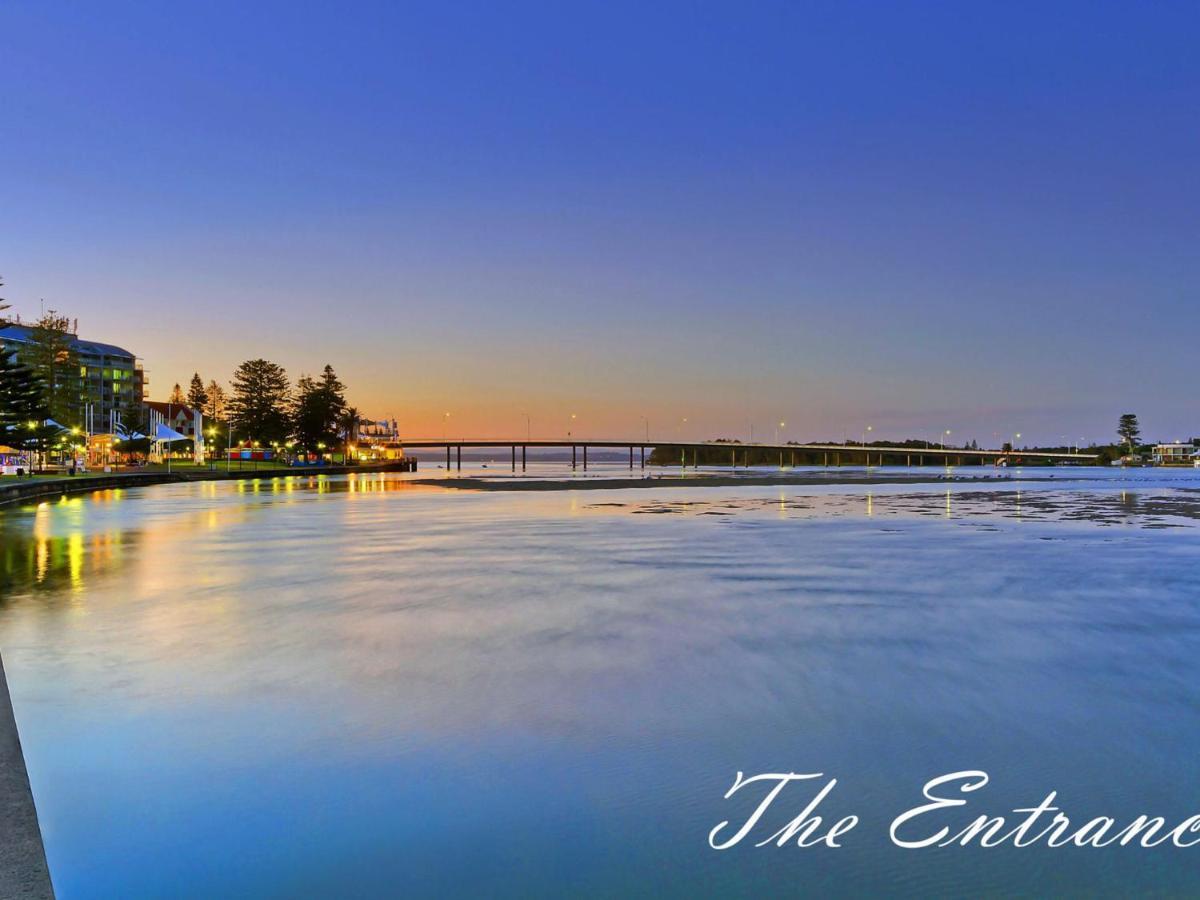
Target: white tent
column 164, row 433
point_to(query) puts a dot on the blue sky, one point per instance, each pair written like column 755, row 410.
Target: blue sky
column 980, row 217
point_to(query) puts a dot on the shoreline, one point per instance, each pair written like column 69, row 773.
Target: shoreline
column 25, row 491
column 24, row 873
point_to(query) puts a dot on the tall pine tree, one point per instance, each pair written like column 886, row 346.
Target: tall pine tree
column 318, row 410
column 4, row 320
column 197, row 396
column 259, row 407
column 214, row 407
column 22, row 401
column 55, row 362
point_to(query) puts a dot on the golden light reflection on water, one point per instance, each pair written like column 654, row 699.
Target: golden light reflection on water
column 64, row 544
column 57, row 553
column 61, row 545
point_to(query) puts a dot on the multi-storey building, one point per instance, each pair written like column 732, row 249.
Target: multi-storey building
column 1177, row 453
column 111, row 378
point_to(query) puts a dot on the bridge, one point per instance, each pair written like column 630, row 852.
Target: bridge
column 832, row 454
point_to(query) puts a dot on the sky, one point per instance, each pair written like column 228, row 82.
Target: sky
column 976, row 217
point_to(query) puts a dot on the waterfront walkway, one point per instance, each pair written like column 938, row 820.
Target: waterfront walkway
column 24, row 874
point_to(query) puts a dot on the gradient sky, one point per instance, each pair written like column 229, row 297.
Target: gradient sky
column 981, row 217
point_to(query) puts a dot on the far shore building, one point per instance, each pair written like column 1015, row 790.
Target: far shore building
column 376, row 440
column 1176, row 453
column 111, row 378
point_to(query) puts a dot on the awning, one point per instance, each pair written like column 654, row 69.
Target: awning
column 163, row 433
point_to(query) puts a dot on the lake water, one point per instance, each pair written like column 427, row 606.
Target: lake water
column 332, row 687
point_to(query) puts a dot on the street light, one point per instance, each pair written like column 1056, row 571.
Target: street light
column 445, row 416
column 782, row 425
column 647, row 421
column 870, row 428
column 569, row 421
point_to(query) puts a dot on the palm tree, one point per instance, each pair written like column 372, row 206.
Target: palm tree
column 348, row 424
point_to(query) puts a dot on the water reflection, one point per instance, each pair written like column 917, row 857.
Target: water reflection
column 361, row 678
column 49, row 550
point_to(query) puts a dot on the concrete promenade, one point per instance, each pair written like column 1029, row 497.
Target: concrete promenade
column 24, row 874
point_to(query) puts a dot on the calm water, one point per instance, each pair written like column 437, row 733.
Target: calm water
column 327, row 688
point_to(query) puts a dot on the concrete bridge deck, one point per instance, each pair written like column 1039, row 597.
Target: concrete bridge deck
column 833, row 454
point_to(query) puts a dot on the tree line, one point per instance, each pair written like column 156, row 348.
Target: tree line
column 26, row 394
column 263, row 407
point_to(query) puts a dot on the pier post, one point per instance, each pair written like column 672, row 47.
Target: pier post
column 447, row 457
column 826, row 465
column 514, row 457
column 733, row 459
column 585, row 457
column 458, row 456
column 572, row 456
column 631, row 459
column 838, row 458
column 643, row 457
column 523, row 449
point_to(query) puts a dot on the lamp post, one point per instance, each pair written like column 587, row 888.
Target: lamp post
column 445, row 416
column 868, row 430
column 647, row 422
column 569, row 425
column 779, row 428
column 528, row 428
